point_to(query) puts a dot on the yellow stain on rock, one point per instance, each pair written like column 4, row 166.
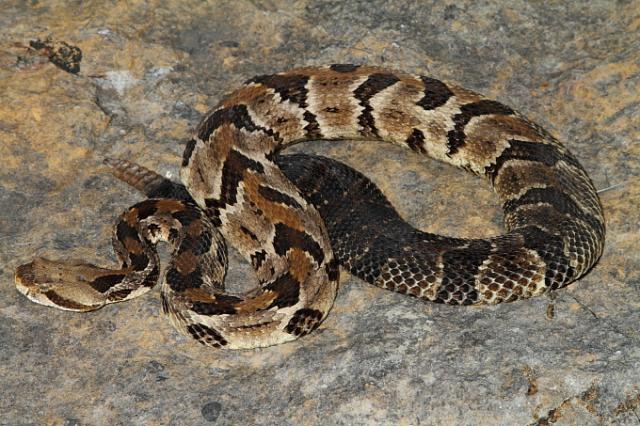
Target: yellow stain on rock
column 36, row 113
column 50, row 115
column 588, row 91
column 202, row 107
column 11, row 160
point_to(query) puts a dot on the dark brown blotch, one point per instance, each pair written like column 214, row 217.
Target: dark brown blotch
column 287, row 237
column 125, row 231
column 292, row 88
column 198, row 245
column 106, row 282
column 222, row 305
column 185, row 261
column 304, row 321
column 287, row 290
column 436, row 93
column 276, row 196
column 206, row 335
column 139, row 261
column 146, row 208
column 190, row 218
column 415, row 141
column 180, row 282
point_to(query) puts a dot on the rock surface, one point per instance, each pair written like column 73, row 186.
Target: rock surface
column 150, row 69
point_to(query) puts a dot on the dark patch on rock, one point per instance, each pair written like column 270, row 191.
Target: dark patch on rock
column 60, row 53
column 211, row 411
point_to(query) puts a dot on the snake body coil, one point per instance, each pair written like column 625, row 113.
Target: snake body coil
column 286, row 213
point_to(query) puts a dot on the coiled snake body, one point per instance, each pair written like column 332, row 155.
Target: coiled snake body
column 235, row 184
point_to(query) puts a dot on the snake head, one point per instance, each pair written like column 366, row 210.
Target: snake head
column 59, row 285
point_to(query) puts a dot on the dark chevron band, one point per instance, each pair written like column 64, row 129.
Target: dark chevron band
column 436, row 93
column 276, row 196
column 292, row 88
column 223, row 304
column 236, row 115
column 530, row 151
column 188, row 150
column 554, row 197
column 248, row 233
column 461, row 266
column 304, row 321
column 373, row 85
column 287, row 237
column 232, row 174
column 456, row 137
column 206, row 335
column 550, row 248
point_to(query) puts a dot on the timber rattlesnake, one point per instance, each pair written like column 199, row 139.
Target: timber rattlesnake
column 236, row 185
